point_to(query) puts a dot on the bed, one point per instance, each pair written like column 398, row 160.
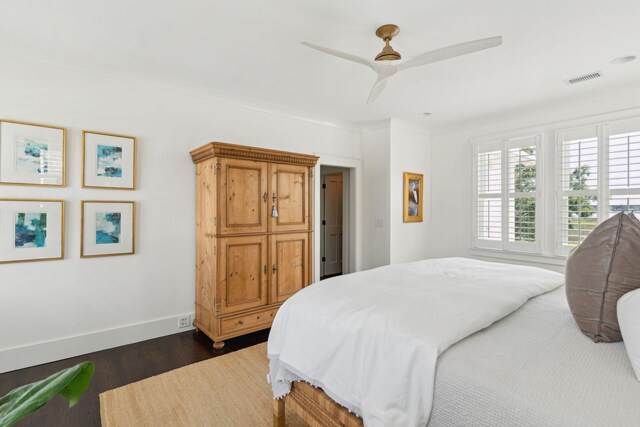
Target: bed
column 532, row 367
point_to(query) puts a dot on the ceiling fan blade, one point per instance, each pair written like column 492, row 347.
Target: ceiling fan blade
column 450, row 52
column 339, row 54
column 377, row 89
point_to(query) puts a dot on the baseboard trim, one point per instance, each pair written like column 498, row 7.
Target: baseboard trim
column 39, row 353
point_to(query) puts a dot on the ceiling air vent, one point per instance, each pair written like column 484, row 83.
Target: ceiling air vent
column 583, row 78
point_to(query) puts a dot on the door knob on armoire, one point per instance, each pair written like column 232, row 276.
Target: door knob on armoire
column 274, row 269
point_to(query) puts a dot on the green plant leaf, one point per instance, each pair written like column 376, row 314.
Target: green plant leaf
column 22, row 401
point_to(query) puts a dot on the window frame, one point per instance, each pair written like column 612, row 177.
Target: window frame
column 621, row 127
column 550, row 250
column 602, row 171
column 504, row 146
column 603, row 132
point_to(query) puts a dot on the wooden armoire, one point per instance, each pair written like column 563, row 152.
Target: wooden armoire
column 254, row 235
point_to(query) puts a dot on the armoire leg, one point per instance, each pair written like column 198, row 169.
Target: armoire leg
column 218, row 345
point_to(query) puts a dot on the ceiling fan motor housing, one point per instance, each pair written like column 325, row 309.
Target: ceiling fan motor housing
column 387, row 33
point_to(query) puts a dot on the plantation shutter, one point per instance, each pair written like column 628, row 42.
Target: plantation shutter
column 522, row 175
column 624, row 167
column 578, row 160
column 488, row 215
column 507, row 194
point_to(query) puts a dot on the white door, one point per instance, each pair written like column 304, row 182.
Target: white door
column 332, row 224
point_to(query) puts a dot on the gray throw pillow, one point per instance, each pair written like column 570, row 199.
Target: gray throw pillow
column 605, row 266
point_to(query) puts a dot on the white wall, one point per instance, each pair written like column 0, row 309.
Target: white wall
column 391, row 148
column 410, row 152
column 56, row 309
column 452, row 168
column 376, row 216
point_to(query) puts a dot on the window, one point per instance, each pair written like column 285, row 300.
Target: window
column 529, row 203
column 522, row 174
column 624, row 172
column 489, row 205
column 507, row 194
column 597, row 163
column 578, row 188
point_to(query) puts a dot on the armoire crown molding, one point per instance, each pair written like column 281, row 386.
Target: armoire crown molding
column 223, row 149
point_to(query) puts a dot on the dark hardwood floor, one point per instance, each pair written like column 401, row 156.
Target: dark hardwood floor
column 117, row 367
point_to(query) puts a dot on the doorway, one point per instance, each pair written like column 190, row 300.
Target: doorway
column 334, row 216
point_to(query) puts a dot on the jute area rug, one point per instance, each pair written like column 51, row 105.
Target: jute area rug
column 229, row 390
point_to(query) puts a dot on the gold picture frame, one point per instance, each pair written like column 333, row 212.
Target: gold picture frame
column 63, row 154
column 61, row 231
column 110, row 183
column 413, row 195
column 88, row 250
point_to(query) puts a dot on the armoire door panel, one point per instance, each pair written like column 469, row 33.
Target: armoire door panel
column 290, row 185
column 290, row 265
column 242, row 273
column 243, row 198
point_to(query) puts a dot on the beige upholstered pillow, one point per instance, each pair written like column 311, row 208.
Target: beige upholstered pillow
column 605, row 266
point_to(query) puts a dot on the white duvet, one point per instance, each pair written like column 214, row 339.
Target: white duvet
column 371, row 339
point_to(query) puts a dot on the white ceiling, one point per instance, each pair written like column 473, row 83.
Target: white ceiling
column 252, row 49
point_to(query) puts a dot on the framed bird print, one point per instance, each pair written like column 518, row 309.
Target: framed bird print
column 413, row 197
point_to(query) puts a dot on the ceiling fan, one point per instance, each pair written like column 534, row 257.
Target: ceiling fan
column 384, row 71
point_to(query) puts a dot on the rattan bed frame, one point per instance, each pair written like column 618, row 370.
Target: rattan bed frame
column 313, row 406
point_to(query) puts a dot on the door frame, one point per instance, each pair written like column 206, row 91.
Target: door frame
column 344, row 176
column 354, row 256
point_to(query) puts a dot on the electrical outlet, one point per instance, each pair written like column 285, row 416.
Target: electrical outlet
column 184, row 321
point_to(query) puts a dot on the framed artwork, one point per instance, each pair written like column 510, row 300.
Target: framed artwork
column 107, row 228
column 413, row 197
column 108, row 161
column 31, row 230
column 32, row 154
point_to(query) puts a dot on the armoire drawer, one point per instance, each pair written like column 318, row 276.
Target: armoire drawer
column 229, row 325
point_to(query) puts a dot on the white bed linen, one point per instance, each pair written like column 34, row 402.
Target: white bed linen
column 534, row 368
column 371, row 339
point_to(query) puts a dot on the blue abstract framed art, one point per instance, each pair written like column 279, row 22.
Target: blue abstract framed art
column 31, row 230
column 108, row 161
column 108, row 228
column 32, row 154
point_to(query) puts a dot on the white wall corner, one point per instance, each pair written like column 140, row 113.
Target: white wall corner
column 374, row 126
column 410, row 126
column 376, row 164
